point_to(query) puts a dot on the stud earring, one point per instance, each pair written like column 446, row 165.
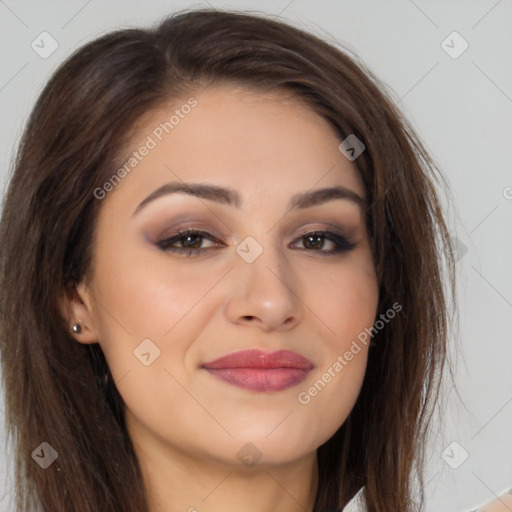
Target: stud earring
column 77, row 328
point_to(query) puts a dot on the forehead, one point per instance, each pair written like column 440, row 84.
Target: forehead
column 242, row 138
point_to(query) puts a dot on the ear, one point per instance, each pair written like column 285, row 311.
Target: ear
column 75, row 307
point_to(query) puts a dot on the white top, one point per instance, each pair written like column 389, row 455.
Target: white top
column 356, row 504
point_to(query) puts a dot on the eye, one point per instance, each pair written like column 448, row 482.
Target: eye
column 190, row 242
column 187, row 241
column 315, row 240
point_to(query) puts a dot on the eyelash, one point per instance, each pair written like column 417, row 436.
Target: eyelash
column 342, row 244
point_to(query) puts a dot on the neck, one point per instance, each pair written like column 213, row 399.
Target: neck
column 178, row 482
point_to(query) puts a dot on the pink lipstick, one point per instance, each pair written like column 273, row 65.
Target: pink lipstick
column 261, row 371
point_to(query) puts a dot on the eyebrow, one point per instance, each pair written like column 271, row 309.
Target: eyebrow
column 230, row 197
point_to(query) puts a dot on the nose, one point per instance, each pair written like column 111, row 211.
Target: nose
column 265, row 293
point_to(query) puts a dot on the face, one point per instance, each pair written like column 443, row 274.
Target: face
column 225, row 312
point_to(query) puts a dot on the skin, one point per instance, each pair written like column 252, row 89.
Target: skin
column 501, row 504
column 186, row 425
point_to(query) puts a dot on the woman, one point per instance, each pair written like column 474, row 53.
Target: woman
column 222, row 271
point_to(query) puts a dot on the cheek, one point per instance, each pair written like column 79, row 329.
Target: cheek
column 140, row 298
column 148, row 296
column 327, row 399
column 345, row 301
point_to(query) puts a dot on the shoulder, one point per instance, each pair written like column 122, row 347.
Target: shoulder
column 356, row 504
column 502, row 503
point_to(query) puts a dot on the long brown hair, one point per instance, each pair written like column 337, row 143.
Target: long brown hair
column 78, row 132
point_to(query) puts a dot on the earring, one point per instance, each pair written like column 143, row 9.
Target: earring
column 77, row 328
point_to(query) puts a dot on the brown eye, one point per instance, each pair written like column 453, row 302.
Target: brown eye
column 315, row 240
column 187, row 241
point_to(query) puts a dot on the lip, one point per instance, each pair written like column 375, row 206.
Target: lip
column 260, row 371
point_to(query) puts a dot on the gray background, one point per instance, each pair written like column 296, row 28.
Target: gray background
column 461, row 107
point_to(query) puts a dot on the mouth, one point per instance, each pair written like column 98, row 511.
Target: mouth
column 261, row 371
